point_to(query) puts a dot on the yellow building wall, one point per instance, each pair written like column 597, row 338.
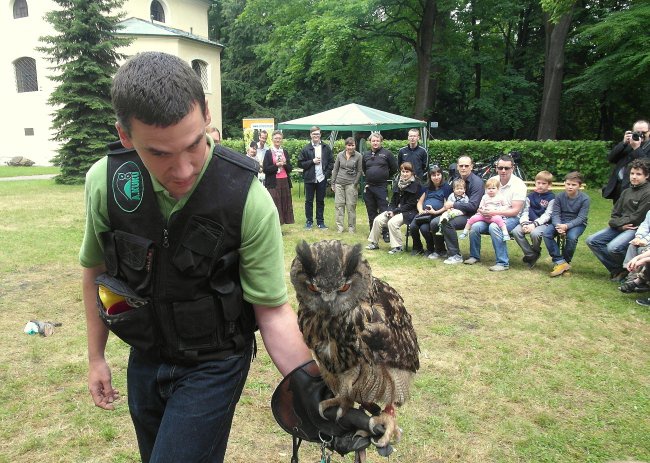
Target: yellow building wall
column 188, row 15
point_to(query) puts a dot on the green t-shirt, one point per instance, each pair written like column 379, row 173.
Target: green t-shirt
column 261, row 255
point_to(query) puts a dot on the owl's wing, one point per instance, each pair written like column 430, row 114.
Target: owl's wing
column 388, row 336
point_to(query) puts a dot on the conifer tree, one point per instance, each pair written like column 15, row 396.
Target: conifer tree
column 85, row 56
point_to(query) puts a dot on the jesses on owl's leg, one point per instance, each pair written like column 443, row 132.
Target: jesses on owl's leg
column 343, row 403
column 387, row 418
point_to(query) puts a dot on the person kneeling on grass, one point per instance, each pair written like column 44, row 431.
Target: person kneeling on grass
column 491, row 201
column 638, row 267
column 569, row 220
column 402, row 209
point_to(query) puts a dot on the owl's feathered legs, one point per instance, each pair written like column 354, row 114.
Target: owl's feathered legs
column 344, row 404
column 392, row 432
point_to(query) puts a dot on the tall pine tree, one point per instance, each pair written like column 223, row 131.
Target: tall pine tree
column 85, row 56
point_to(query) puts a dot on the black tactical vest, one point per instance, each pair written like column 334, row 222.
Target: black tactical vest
column 181, row 277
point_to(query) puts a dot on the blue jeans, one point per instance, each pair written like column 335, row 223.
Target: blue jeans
column 609, row 245
column 500, row 246
column 319, row 189
column 570, row 244
column 184, row 413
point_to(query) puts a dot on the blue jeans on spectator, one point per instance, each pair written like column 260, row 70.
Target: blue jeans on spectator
column 184, row 413
column 609, row 245
column 319, row 189
column 500, row 246
column 570, row 244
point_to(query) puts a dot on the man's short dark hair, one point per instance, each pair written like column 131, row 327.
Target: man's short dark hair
column 506, row 158
column 156, row 89
column 640, row 164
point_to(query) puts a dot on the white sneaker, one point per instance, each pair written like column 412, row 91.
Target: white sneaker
column 433, row 255
column 457, row 259
column 471, row 261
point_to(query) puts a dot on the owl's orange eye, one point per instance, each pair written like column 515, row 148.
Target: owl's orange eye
column 312, row 287
column 344, row 288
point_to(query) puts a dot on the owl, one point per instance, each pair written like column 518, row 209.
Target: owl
column 358, row 330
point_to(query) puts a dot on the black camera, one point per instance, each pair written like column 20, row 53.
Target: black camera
column 637, row 136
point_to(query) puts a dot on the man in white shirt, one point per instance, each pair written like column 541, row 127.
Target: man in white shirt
column 513, row 190
column 316, row 162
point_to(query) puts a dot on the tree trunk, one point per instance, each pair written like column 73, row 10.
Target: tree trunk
column 436, row 68
column 556, row 35
column 424, row 46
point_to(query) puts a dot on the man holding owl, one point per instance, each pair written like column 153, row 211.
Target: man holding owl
column 182, row 258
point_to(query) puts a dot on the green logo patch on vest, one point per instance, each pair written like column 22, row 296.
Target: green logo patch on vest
column 127, row 186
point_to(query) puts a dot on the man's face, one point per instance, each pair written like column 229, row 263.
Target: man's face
column 464, row 166
column 637, row 177
column 375, row 143
column 504, row 169
column 641, row 127
column 315, row 137
column 263, row 137
column 571, row 187
column 542, row 186
column 174, row 155
column 414, row 137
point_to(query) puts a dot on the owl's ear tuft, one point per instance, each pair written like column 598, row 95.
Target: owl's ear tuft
column 303, row 252
column 354, row 256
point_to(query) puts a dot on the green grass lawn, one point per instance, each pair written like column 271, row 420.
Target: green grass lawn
column 515, row 366
column 18, row 171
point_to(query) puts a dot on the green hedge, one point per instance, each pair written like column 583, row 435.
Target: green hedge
column 558, row 157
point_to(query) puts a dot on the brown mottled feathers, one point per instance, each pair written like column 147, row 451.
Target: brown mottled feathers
column 356, row 325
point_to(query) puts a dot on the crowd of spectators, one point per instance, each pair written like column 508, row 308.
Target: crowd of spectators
column 434, row 208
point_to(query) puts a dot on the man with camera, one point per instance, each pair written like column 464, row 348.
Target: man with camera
column 635, row 145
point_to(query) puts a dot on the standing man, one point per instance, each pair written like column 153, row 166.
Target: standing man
column 182, row 258
column 474, row 189
column 261, row 152
column 379, row 166
column 414, row 154
column 635, row 145
column 317, row 163
column 513, row 191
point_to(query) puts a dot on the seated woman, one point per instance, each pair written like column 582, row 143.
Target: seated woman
column 277, row 167
column 402, row 209
column 430, row 205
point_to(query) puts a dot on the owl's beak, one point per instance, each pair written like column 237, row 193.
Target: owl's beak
column 328, row 296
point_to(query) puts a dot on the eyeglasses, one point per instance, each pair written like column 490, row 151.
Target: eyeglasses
column 503, row 168
column 464, row 165
column 316, row 134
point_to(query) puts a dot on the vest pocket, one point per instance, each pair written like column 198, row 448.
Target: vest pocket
column 128, row 316
column 129, row 257
column 196, row 324
column 200, row 244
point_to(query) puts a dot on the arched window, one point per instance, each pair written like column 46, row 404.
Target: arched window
column 20, row 9
column 201, row 69
column 157, row 12
column 26, row 79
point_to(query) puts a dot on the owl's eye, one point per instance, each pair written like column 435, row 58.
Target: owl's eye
column 313, row 288
column 344, row 288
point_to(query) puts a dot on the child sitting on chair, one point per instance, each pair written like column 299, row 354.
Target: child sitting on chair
column 491, row 201
column 458, row 195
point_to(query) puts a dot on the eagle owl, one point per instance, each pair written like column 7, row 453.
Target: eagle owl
column 358, row 329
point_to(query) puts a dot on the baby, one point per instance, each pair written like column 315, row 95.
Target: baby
column 458, row 195
column 491, row 201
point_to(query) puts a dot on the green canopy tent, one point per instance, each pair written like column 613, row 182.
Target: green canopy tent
column 356, row 118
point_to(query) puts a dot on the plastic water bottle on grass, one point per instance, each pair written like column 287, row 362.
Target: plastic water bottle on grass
column 39, row 327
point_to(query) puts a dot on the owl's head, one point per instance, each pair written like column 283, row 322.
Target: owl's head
column 330, row 275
